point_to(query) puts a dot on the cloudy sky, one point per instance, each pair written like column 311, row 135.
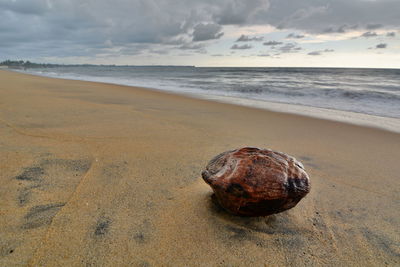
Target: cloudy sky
column 337, row 33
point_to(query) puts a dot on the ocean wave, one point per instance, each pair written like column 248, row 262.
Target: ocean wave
column 361, row 94
column 366, row 91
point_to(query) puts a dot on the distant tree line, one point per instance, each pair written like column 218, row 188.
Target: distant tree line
column 25, row 64
column 20, row 64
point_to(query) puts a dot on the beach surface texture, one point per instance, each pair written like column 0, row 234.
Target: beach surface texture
column 96, row 174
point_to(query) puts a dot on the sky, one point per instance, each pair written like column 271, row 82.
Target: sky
column 270, row 33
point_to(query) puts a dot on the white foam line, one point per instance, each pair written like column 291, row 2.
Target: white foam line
column 390, row 124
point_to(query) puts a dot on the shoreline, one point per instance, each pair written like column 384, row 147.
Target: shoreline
column 354, row 118
column 95, row 174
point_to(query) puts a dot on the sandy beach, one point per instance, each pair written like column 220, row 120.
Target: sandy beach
column 96, row 174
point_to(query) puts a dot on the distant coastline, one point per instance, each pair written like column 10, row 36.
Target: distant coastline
column 26, row 64
column 21, row 64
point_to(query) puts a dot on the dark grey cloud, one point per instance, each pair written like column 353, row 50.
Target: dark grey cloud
column 192, row 46
column 199, row 48
column 369, row 34
column 289, row 48
column 204, row 32
column 315, row 53
column 55, row 28
column 341, row 29
column 246, row 38
column 238, row 12
column 132, row 50
column 272, row 43
column 71, row 27
column 294, row 36
column 241, row 47
column 159, row 51
column 379, row 46
column 318, row 16
column 37, row 7
column 320, row 52
column 374, row 26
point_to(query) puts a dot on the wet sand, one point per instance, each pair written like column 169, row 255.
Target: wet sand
column 103, row 175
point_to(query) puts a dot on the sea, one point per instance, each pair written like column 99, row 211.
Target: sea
column 360, row 96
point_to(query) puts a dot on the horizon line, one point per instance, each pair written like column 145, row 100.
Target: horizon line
column 183, row 66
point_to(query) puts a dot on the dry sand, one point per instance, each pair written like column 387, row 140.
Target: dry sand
column 102, row 175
